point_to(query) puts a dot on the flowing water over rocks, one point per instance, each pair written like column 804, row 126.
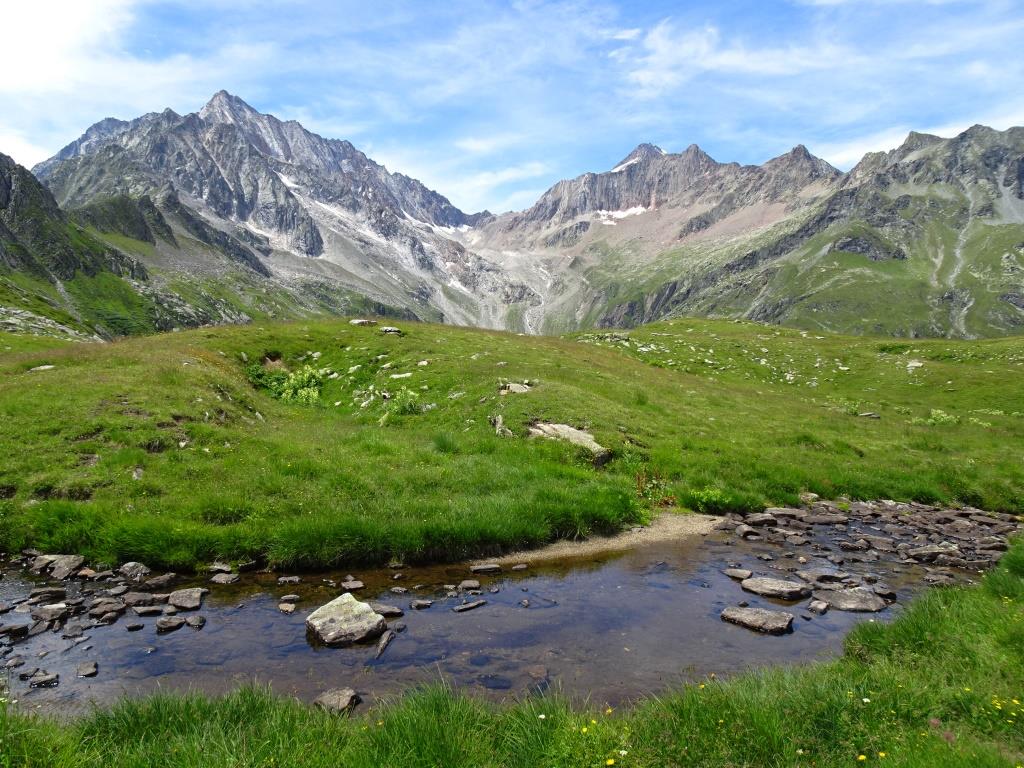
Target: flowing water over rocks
column 779, row 586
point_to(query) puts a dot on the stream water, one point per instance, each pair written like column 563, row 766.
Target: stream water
column 607, row 629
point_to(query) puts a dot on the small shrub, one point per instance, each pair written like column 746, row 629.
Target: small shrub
column 302, row 386
column 937, row 417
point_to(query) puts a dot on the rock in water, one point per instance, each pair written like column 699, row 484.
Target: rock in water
column 759, row 620
column 65, row 565
column 169, row 624
column 383, row 643
column 856, row 599
column 187, row 599
column 345, row 621
column 340, row 700
column 767, row 587
column 88, row 669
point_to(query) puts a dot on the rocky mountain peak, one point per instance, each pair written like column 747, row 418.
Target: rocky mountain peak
column 800, row 162
column 224, row 107
column 642, row 153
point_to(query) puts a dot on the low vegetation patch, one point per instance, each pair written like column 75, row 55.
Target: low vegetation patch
column 309, row 445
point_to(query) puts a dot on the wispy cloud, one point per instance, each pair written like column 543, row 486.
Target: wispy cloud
column 490, row 101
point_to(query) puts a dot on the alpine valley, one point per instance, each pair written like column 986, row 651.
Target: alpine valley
column 228, row 215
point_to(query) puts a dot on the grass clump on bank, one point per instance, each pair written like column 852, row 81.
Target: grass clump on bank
column 323, row 443
column 942, row 685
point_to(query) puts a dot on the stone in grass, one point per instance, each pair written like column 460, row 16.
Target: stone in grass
column 778, row 588
column 187, row 599
column 345, row 621
column 857, row 599
column 759, row 619
column 340, row 700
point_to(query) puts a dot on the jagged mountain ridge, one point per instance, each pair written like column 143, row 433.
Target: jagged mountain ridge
column 793, row 240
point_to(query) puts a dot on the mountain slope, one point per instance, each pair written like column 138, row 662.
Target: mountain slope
column 926, row 240
column 373, row 232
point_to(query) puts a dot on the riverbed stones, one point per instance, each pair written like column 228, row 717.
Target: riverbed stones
column 195, row 622
column 759, row 519
column 63, row 566
column 286, row 608
column 759, row 619
column 224, row 578
column 167, row 624
column 738, row 573
column 857, row 599
column 467, row 584
column 339, row 700
column 351, row 585
column 421, row 605
column 819, row 607
column 344, row 621
column 88, row 669
column 745, row 531
column 485, row 568
column 384, row 642
column 469, row 606
column 930, row 552
column 388, row 611
column 134, row 571
column 187, row 599
column 777, row 588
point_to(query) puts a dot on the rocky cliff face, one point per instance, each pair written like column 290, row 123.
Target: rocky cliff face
column 36, row 237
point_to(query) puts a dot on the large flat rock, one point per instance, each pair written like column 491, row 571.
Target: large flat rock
column 779, row 588
column 345, row 621
column 856, row 599
column 759, row 619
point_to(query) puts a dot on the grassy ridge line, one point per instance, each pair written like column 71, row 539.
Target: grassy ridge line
column 160, row 449
column 942, row 685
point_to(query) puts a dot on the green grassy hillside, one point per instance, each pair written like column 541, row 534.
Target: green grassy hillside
column 173, row 449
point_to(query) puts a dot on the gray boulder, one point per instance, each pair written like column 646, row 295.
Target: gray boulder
column 778, row 588
column 345, row 621
column 759, row 619
column 857, row 599
column 187, row 599
column 340, row 700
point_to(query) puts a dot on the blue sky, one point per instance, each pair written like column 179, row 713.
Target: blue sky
column 492, row 102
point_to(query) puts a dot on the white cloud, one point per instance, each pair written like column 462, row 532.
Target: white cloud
column 21, row 149
column 668, row 57
column 489, row 143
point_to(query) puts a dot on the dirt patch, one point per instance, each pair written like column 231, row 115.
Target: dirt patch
column 666, row 527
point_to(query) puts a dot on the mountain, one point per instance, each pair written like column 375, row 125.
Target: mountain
column 321, row 213
column 237, row 215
